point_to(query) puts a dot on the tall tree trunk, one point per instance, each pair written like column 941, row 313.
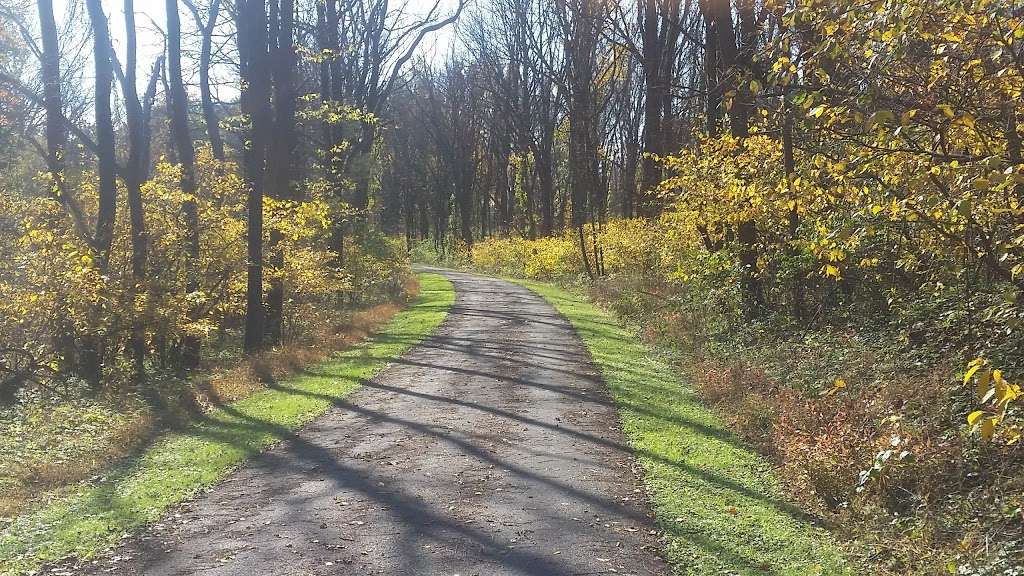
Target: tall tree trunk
column 545, row 166
column 92, row 349
column 583, row 153
column 56, row 130
column 56, row 148
column 255, row 104
column 712, row 77
column 362, row 154
column 279, row 167
column 210, row 117
column 105, row 157
column 133, row 178
column 660, row 34
column 735, row 60
column 186, row 157
column 148, row 100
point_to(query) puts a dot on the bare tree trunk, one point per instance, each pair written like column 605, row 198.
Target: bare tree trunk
column 56, row 147
column 186, row 156
column 545, row 166
column 712, row 85
column 581, row 48
column 362, row 152
column 279, row 167
column 629, row 186
column 56, row 131
column 660, row 34
column 205, row 56
column 133, row 178
column 148, row 99
column 106, row 159
column 92, row 349
column 255, row 104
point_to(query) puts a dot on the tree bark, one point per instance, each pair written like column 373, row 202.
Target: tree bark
column 660, row 35
column 735, row 59
column 56, row 130
column 279, row 168
column 255, row 104
column 92, row 344
column 105, row 156
column 186, row 157
column 581, row 47
column 210, row 117
column 133, row 178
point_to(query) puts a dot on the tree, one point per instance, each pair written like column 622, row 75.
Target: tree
column 733, row 61
column 660, row 33
column 255, row 72
column 367, row 77
column 281, row 150
column 92, row 353
column 56, row 129
column 180, row 133
column 206, row 29
column 134, row 174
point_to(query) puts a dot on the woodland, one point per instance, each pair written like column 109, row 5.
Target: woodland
column 815, row 209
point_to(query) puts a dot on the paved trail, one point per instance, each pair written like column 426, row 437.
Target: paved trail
column 490, row 449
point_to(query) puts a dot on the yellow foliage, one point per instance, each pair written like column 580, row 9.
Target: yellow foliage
column 624, row 244
column 997, row 399
column 53, row 295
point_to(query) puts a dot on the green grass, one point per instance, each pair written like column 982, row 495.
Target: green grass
column 179, row 465
column 719, row 504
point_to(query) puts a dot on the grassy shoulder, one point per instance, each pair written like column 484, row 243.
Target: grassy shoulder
column 51, row 441
column 179, row 465
column 719, row 504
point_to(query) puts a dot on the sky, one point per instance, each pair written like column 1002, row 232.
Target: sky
column 150, row 14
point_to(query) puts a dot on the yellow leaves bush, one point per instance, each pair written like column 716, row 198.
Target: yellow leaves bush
column 997, row 398
column 624, row 245
column 52, row 295
column 541, row 259
column 724, row 181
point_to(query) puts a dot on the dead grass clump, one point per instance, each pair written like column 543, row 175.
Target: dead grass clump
column 884, row 461
column 744, row 397
column 822, row 444
column 272, row 366
column 48, row 446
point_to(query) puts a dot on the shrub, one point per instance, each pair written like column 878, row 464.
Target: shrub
column 55, row 301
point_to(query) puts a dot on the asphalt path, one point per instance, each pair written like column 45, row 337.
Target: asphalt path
column 492, row 448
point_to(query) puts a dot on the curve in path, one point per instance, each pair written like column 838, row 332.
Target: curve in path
column 492, row 448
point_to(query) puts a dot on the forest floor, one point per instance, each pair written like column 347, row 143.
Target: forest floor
column 530, row 435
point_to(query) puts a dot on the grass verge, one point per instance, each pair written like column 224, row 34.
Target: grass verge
column 181, row 464
column 718, row 503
